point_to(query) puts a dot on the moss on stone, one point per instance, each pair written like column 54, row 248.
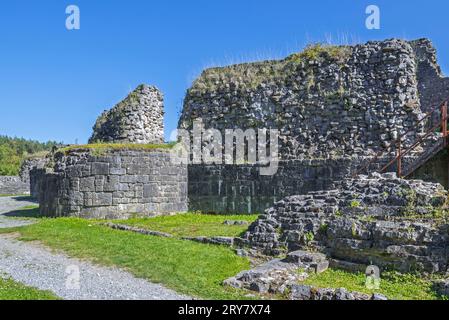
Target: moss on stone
column 105, row 147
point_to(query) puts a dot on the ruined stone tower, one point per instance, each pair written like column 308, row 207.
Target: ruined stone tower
column 139, row 118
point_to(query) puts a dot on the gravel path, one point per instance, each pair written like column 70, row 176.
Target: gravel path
column 69, row 278
column 7, row 207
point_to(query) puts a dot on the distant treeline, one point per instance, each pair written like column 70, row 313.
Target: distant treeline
column 14, row 150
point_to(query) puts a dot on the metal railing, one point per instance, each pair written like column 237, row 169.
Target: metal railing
column 400, row 152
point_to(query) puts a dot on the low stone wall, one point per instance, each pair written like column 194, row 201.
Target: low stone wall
column 13, row 185
column 382, row 220
column 241, row 189
column 116, row 184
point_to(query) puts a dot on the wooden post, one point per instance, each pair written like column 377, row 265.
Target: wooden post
column 399, row 156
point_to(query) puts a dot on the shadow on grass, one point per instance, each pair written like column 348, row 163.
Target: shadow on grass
column 26, row 212
column 25, row 198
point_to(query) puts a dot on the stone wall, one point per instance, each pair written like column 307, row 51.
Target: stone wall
column 137, row 119
column 377, row 219
column 433, row 87
column 326, row 101
column 30, row 164
column 240, row 189
column 13, row 186
column 116, row 184
column 329, row 103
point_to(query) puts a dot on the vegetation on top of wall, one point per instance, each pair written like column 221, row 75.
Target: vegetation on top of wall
column 252, row 75
column 14, row 150
column 100, row 148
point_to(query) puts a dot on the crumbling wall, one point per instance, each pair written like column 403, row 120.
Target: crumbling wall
column 377, row 219
column 433, row 87
column 30, row 164
column 330, row 104
column 326, row 101
column 116, row 184
column 137, row 119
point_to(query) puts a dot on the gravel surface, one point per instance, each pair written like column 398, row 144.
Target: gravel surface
column 69, row 278
column 7, row 207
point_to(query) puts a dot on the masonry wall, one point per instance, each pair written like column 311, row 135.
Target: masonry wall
column 117, row 184
column 13, row 185
column 433, row 86
column 332, row 107
column 326, row 102
column 242, row 190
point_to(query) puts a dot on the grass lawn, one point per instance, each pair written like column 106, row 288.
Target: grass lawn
column 394, row 286
column 11, row 290
column 192, row 224
column 188, row 267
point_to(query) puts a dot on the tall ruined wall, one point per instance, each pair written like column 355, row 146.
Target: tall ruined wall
column 326, row 101
column 116, row 184
column 433, row 87
column 330, row 104
column 137, row 119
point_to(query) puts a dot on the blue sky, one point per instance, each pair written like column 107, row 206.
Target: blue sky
column 54, row 82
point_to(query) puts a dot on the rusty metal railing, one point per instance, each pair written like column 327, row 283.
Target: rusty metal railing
column 400, row 153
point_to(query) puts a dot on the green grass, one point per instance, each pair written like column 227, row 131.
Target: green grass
column 11, row 290
column 192, row 224
column 393, row 285
column 185, row 266
column 104, row 147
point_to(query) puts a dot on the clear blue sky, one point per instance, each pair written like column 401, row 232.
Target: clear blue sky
column 55, row 82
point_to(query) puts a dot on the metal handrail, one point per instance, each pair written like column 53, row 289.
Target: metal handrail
column 399, row 140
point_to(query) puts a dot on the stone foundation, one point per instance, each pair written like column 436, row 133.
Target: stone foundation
column 241, row 189
column 117, row 184
column 382, row 220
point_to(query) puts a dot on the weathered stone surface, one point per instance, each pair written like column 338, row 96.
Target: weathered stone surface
column 103, row 186
column 277, row 275
column 305, row 292
column 376, row 219
column 442, row 287
column 335, row 108
column 13, row 185
column 226, row 241
column 137, row 119
column 28, row 165
column 235, row 223
column 21, row 184
column 138, row 230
